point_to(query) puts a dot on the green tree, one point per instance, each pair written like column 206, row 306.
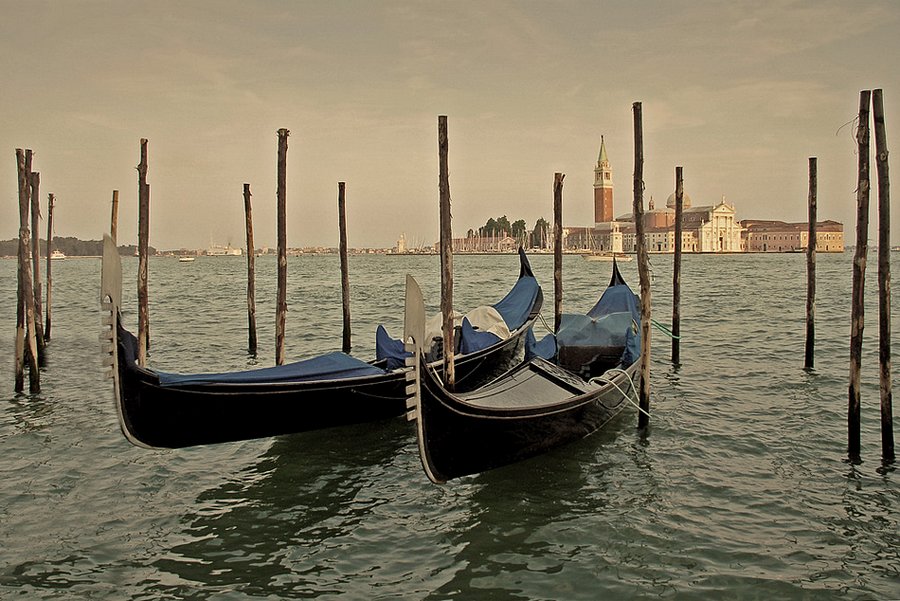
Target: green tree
column 541, row 233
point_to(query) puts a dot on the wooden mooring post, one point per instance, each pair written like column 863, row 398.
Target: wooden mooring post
column 26, row 344
column 51, row 202
column 809, row 361
column 446, row 244
column 857, row 309
column 557, row 249
column 643, row 267
column 114, row 216
column 35, row 203
column 884, row 278
column 345, row 266
column 281, row 301
column 676, row 267
column 143, row 252
column 251, row 274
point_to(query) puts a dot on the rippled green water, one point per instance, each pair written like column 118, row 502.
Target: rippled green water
column 740, row 491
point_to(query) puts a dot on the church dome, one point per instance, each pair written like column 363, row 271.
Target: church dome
column 686, row 200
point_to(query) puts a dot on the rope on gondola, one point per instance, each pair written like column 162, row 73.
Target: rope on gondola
column 624, row 393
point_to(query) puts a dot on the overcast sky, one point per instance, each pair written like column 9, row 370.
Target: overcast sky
column 738, row 93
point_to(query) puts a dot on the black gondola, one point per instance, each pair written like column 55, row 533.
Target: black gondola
column 157, row 409
column 580, row 383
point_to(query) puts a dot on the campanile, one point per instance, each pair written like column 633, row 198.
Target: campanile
column 603, row 188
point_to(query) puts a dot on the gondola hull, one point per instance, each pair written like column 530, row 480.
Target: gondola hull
column 215, row 408
column 153, row 415
column 461, row 435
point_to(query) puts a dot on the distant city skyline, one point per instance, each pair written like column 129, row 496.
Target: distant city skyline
column 739, row 94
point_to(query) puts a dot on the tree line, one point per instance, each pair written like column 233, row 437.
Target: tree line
column 72, row 247
column 539, row 235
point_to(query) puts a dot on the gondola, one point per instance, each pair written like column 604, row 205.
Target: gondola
column 571, row 384
column 157, row 409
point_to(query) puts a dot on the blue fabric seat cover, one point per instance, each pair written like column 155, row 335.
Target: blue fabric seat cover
column 390, row 349
column 471, row 340
column 332, row 366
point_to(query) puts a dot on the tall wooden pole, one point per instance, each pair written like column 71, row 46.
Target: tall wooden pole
column 884, row 278
column 36, row 265
column 251, row 275
column 23, row 182
column 557, row 249
column 643, row 267
column 345, row 274
column 114, row 216
column 143, row 252
column 676, row 267
column 281, row 302
column 26, row 343
column 51, row 201
column 810, row 359
column 857, row 310
column 446, row 255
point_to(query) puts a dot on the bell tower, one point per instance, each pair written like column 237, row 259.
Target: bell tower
column 603, row 188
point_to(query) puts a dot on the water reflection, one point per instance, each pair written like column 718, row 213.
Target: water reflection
column 265, row 530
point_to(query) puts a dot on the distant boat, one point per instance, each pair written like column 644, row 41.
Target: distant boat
column 223, row 251
column 605, row 256
column 57, row 255
column 185, row 259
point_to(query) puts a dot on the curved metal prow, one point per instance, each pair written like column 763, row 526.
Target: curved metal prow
column 110, row 304
column 413, row 332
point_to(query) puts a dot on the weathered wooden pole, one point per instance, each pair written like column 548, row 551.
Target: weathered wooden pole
column 557, row 249
column 643, row 268
column 884, row 278
column 857, row 310
column 23, row 181
column 251, row 275
column 51, row 201
column 345, row 266
column 114, row 216
column 811, row 241
column 676, row 267
column 26, row 343
column 143, row 252
column 36, row 265
column 281, row 302
column 446, row 244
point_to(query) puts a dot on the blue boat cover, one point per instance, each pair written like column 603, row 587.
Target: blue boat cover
column 544, row 348
column 609, row 323
column 333, row 366
column 471, row 340
column 390, row 349
column 516, row 306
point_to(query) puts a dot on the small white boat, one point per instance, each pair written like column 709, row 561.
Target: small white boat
column 185, row 259
column 57, row 255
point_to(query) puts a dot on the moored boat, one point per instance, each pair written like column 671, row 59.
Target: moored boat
column 573, row 382
column 158, row 409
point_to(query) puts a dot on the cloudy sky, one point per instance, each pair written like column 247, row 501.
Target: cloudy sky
column 738, row 93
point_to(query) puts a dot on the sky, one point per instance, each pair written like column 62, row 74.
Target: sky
column 740, row 94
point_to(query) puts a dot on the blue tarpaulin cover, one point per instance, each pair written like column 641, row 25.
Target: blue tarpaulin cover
column 471, row 340
column 333, row 366
column 516, row 306
column 609, row 323
column 390, row 349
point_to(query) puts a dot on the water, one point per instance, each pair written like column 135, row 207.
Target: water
column 741, row 489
